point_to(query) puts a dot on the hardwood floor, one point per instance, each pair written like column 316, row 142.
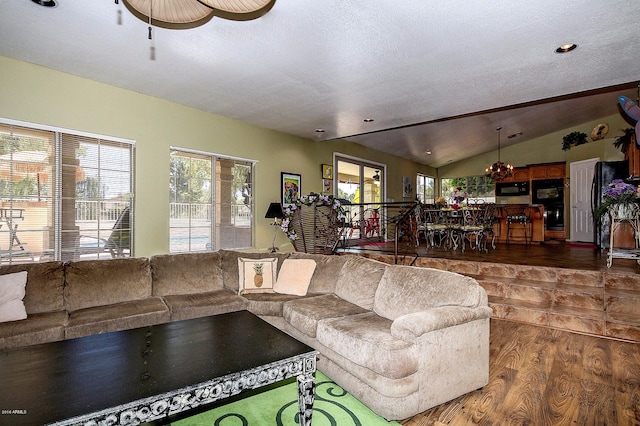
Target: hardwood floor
column 541, row 376
column 552, row 253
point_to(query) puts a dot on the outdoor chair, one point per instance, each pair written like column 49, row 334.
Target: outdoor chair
column 117, row 244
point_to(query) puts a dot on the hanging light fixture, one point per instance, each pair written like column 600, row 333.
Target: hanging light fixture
column 192, row 13
column 376, row 177
column 499, row 170
column 182, row 14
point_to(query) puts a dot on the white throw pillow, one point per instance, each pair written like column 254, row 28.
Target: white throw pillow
column 295, row 276
column 256, row 275
column 12, row 290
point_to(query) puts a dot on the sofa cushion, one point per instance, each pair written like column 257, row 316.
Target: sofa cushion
column 270, row 304
column 37, row 328
column 187, row 306
column 407, row 289
column 119, row 316
column 11, row 294
column 327, row 271
column 359, row 279
column 45, row 283
column 304, row 314
column 295, row 276
column 229, row 264
column 186, row 273
column 366, row 340
column 92, row 283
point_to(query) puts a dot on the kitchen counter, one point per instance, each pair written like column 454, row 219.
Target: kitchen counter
column 536, row 228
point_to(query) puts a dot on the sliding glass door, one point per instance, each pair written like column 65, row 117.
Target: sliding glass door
column 361, row 184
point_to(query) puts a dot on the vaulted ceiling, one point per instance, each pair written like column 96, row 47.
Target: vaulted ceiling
column 436, row 76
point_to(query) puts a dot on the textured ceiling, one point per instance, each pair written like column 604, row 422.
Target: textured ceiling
column 442, row 74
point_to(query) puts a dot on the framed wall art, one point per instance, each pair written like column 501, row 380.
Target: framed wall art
column 327, row 185
column 327, row 171
column 291, row 187
column 407, row 187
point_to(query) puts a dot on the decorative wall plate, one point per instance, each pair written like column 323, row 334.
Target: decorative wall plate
column 599, row 132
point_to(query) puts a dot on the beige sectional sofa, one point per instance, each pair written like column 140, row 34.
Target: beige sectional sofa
column 401, row 339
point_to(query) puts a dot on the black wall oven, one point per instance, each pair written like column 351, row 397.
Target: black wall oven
column 550, row 193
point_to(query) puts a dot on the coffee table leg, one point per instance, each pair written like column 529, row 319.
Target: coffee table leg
column 306, row 395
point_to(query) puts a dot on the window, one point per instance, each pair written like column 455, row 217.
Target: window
column 478, row 187
column 425, row 189
column 64, row 196
column 211, row 202
column 360, row 181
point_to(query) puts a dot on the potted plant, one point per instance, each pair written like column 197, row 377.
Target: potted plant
column 573, row 139
column 623, row 142
column 620, row 198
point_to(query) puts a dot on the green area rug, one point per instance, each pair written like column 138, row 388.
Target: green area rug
column 278, row 406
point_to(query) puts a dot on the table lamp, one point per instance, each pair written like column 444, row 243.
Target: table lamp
column 274, row 212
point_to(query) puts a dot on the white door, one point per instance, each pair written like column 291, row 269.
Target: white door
column 581, row 176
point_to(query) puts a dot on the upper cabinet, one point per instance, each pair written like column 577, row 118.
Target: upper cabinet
column 547, row 171
column 632, row 155
column 536, row 172
column 520, row 174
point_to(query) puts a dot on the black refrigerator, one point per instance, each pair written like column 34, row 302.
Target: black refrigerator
column 605, row 172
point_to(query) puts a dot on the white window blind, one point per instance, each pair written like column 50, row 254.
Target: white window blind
column 63, row 196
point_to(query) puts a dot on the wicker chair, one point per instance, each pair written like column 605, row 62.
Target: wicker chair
column 317, row 229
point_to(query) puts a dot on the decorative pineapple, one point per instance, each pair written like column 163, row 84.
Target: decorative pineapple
column 258, row 278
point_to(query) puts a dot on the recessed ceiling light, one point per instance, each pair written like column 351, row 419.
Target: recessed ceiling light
column 368, row 120
column 429, row 152
column 320, row 130
column 46, row 3
column 513, row 135
column 566, row 48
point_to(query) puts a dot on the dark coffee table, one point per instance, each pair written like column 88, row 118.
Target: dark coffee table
column 148, row 373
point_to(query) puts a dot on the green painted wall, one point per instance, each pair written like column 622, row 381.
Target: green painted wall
column 545, row 149
column 39, row 95
column 548, row 149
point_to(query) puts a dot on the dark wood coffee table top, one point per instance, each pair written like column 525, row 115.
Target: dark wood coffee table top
column 60, row 380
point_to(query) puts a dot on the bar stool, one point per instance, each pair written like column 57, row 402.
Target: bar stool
column 518, row 218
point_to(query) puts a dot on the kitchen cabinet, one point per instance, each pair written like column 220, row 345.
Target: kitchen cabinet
column 520, row 174
column 632, row 155
column 547, row 171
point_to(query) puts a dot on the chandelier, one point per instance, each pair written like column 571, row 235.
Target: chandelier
column 182, row 14
column 499, row 170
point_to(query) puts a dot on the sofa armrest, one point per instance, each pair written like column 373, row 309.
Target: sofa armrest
column 411, row 326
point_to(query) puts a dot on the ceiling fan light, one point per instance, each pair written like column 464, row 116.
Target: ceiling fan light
column 171, row 12
column 236, row 6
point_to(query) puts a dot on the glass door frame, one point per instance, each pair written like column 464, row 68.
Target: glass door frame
column 362, row 164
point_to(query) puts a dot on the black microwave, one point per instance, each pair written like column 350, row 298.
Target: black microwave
column 510, row 189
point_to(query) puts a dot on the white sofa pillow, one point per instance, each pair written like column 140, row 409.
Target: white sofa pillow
column 294, row 276
column 12, row 291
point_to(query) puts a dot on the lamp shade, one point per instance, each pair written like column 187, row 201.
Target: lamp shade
column 274, row 211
